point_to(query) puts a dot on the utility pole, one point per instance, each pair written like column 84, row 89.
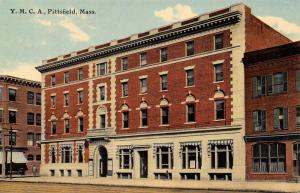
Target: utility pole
column 11, row 151
column 3, row 153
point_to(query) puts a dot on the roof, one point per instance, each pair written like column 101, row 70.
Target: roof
column 20, row 81
column 271, row 53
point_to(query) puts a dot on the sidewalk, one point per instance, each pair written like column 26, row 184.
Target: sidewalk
column 203, row 185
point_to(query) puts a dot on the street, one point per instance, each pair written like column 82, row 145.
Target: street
column 20, row 187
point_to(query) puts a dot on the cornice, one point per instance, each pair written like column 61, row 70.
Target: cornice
column 19, row 81
column 201, row 26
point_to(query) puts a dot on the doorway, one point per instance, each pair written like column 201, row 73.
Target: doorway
column 143, row 164
column 102, row 161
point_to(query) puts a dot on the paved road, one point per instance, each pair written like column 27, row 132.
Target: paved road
column 20, row 187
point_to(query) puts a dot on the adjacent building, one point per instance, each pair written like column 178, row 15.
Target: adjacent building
column 162, row 104
column 272, row 85
column 20, row 110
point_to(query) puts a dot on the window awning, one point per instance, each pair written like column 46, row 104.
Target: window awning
column 17, row 157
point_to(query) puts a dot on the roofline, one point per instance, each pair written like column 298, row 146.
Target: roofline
column 271, row 53
column 17, row 80
column 140, row 38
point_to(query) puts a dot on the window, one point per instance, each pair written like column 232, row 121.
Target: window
column 221, row 156
column 62, row 172
column 66, row 154
column 258, row 86
column 30, row 118
column 125, row 159
column 30, row 97
column 38, row 157
column 66, row 96
column 30, row 141
column 67, row 126
column 80, row 124
column 164, row 157
column 1, row 93
column 125, row 119
column 298, row 80
column 125, row 89
column 297, row 119
column 38, row 99
column 259, row 120
column 53, row 127
column 163, row 54
column 190, row 77
column 13, row 138
column 190, row 48
column 143, row 83
column 144, row 117
column 53, row 154
column 66, row 77
column 52, row 172
column 218, row 41
column 280, row 118
column 38, row 119
column 38, row 139
column 53, row 80
column 277, row 83
column 219, row 72
column 69, row 172
column 268, row 158
column 191, row 157
column 80, row 97
column 101, row 69
column 30, row 157
column 102, row 121
column 191, row 112
column 12, row 116
column 143, row 57
column 12, row 94
column 165, row 115
column 79, row 173
column 80, row 74
column 80, row 153
column 53, row 101
column 220, row 109
column 1, row 116
column 125, row 63
column 102, row 93
column 1, row 137
column 164, row 82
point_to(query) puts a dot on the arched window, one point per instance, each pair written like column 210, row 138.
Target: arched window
column 269, row 157
column 53, row 124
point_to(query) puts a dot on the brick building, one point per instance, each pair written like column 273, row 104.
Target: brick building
column 20, row 109
column 163, row 104
column 272, row 85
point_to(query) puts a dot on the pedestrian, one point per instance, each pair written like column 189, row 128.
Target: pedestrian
column 34, row 170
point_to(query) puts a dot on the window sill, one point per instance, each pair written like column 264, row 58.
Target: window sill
column 143, row 93
column 219, row 120
column 216, row 82
column 125, row 128
column 52, row 107
column 145, row 127
column 80, row 104
column 164, row 90
column 123, row 97
column 192, row 86
column 189, row 123
column 66, row 106
column 167, row 125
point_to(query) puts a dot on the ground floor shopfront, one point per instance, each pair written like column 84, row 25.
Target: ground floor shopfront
column 273, row 157
column 197, row 154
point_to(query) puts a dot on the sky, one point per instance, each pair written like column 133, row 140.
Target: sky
column 27, row 39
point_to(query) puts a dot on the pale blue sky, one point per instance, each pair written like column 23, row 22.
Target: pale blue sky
column 25, row 40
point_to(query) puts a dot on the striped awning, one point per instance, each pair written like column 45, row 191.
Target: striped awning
column 155, row 145
column 190, row 143
column 219, row 142
column 17, row 157
column 124, row 147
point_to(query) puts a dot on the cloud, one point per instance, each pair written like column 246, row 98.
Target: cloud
column 23, row 70
column 76, row 34
column 176, row 13
column 44, row 22
column 292, row 30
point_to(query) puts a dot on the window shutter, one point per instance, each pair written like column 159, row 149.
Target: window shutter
column 270, row 84
column 285, row 118
column 255, row 120
column 284, row 75
column 263, row 120
column 254, row 86
column 276, row 119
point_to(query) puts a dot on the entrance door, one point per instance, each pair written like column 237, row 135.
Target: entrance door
column 297, row 159
column 143, row 164
column 102, row 161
